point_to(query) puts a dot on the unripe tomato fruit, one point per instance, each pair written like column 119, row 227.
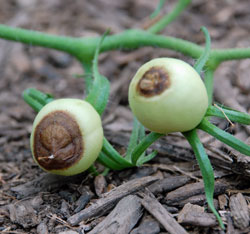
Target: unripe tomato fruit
column 67, row 136
column 167, row 95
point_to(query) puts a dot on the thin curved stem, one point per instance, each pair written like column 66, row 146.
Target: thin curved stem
column 34, row 104
column 206, row 169
column 167, row 19
column 209, row 83
column 158, row 8
column 233, row 115
column 36, row 99
column 221, row 55
column 109, row 150
column 84, row 48
column 135, row 138
column 70, row 45
column 88, row 75
column 205, row 54
column 109, row 163
column 99, row 92
column 145, row 159
column 133, row 39
column 225, row 137
column 143, row 145
column 92, row 170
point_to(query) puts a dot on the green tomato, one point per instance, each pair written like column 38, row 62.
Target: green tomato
column 167, row 95
column 67, row 137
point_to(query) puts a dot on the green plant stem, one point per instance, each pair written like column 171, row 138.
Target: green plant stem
column 225, row 137
column 34, row 104
column 109, row 163
column 221, row 55
column 143, row 145
column 99, row 91
column 70, row 45
column 167, row 19
column 205, row 54
column 88, row 75
column 133, row 39
column 84, row 48
column 134, row 138
column 105, row 172
column 109, row 150
column 93, row 170
column 43, row 98
column 145, row 159
column 233, row 115
column 206, row 170
column 36, row 99
column 158, row 9
column 209, row 83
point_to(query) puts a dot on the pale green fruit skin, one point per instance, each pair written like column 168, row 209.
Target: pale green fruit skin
column 90, row 126
column 180, row 107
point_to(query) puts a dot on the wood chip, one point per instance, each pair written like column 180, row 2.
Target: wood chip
column 42, row 229
column 197, row 199
column 68, row 232
column 122, row 219
column 193, row 189
column 43, row 183
column 23, row 214
column 161, row 214
column 222, row 201
column 83, row 200
column 147, row 226
column 195, row 215
column 100, row 185
column 239, row 211
column 168, row 184
column 241, row 164
column 109, row 200
column 230, row 226
column 65, row 209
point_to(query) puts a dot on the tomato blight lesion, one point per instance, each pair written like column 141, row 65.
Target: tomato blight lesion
column 153, row 82
column 57, row 141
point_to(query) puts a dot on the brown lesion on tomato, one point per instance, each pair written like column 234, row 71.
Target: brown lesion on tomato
column 153, row 82
column 57, row 141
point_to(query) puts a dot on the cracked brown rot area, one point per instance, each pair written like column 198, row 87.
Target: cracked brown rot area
column 153, row 82
column 57, row 141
